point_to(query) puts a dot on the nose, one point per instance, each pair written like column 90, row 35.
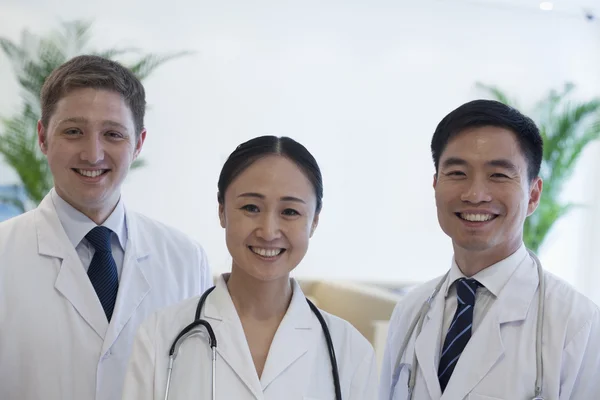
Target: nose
column 476, row 191
column 269, row 228
column 93, row 150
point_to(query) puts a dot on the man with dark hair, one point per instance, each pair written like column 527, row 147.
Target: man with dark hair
column 496, row 326
column 79, row 273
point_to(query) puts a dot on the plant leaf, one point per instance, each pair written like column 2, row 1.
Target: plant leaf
column 566, row 127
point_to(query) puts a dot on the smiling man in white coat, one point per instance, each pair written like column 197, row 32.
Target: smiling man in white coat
column 79, row 273
column 494, row 329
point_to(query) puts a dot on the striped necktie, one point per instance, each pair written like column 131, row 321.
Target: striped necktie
column 459, row 332
column 103, row 269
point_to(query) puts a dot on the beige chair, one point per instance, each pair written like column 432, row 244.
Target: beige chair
column 367, row 307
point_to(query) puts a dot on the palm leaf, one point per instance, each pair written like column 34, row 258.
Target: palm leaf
column 566, row 127
column 14, row 201
column 138, row 163
column 19, row 149
column 497, row 94
column 147, row 64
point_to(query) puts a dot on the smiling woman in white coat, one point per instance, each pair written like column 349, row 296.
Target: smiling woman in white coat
column 499, row 327
column 270, row 344
column 79, row 273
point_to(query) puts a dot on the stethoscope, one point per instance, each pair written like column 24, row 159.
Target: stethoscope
column 418, row 323
column 212, row 341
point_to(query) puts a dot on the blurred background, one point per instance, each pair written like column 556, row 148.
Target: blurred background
column 362, row 84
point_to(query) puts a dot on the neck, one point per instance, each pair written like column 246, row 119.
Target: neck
column 96, row 214
column 470, row 262
column 258, row 299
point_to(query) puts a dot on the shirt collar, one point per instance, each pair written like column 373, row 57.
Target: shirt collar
column 298, row 314
column 494, row 277
column 77, row 225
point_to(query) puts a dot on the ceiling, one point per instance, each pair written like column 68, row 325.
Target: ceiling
column 572, row 7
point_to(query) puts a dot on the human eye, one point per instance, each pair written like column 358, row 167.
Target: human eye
column 114, row 135
column 72, row 131
column 499, row 175
column 455, row 173
column 290, row 212
column 251, row 208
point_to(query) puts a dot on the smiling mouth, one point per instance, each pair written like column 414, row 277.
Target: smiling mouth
column 90, row 173
column 470, row 217
column 266, row 253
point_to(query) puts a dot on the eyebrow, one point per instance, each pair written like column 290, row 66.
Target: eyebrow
column 262, row 197
column 500, row 162
column 81, row 120
column 503, row 163
column 453, row 161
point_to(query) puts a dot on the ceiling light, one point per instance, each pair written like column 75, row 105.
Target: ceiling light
column 546, row 6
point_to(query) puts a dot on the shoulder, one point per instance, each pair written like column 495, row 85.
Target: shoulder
column 168, row 321
column 411, row 302
column 347, row 339
column 565, row 304
column 20, row 228
column 162, row 236
column 19, row 222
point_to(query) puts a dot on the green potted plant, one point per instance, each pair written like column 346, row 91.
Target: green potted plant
column 33, row 59
column 567, row 127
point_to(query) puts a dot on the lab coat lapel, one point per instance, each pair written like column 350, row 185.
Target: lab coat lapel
column 232, row 345
column 293, row 338
column 427, row 344
column 72, row 281
column 485, row 347
column 133, row 285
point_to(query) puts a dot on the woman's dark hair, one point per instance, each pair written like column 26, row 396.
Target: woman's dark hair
column 249, row 152
column 480, row 113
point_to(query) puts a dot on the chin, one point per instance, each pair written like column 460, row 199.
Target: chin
column 474, row 245
column 266, row 274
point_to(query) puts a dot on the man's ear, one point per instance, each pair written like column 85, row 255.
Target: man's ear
column 535, row 195
column 42, row 137
column 221, row 214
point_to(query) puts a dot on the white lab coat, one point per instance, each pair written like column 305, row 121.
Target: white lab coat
column 499, row 360
column 297, row 366
column 55, row 340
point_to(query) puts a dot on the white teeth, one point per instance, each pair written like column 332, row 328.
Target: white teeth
column 476, row 217
column 266, row 252
column 91, row 174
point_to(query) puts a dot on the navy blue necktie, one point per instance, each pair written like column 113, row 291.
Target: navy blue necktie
column 459, row 332
column 103, row 269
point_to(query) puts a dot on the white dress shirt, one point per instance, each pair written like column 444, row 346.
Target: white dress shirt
column 77, row 225
column 493, row 279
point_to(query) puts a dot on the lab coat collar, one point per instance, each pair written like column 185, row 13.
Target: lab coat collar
column 514, row 300
column 485, row 347
column 295, row 335
column 73, row 282
column 427, row 344
column 77, row 225
column 219, row 305
column 134, row 286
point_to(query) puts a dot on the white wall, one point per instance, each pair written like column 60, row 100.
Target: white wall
column 361, row 84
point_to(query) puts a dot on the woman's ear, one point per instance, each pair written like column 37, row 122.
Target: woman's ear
column 314, row 225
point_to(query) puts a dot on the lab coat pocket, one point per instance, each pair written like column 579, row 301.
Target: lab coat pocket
column 400, row 383
column 474, row 396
